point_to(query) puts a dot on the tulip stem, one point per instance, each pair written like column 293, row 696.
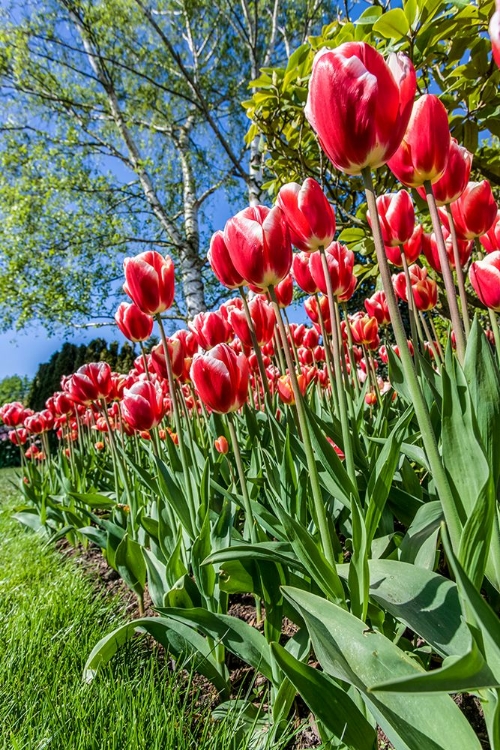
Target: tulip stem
column 459, row 271
column 352, row 358
column 328, row 356
column 416, row 331
column 344, row 420
column 319, row 506
column 145, row 360
column 256, row 346
column 437, row 357
column 419, row 404
column 243, row 482
column 177, row 419
column 447, row 274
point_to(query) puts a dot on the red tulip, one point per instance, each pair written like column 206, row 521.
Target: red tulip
column 491, row 240
column 311, row 308
column 364, row 330
column 425, row 294
column 61, row 404
column 89, row 383
column 376, row 307
column 340, row 265
column 188, row 340
column 220, row 378
column 39, row 422
column 149, row 281
column 432, row 253
column 310, row 218
column 143, row 405
column 210, row 329
column 284, row 291
column 359, row 105
column 474, row 213
column 285, row 390
column 412, row 249
column 18, row 437
column 259, row 245
column 397, row 217
column 311, row 338
column 484, row 276
column 133, row 323
column 301, row 271
column 221, row 263
column 494, row 30
column 423, row 153
column 157, row 360
column 452, row 184
column 263, row 319
column 221, row 445
column 14, row 414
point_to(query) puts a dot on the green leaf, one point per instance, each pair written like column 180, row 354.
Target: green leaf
column 237, row 636
column 130, row 564
column 419, row 543
column 328, row 702
column 157, row 577
column 350, row 652
column 392, row 25
column 368, row 17
column 177, row 638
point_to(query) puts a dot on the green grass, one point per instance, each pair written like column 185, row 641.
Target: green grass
column 50, row 618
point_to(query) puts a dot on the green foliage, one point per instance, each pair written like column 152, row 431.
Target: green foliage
column 14, row 388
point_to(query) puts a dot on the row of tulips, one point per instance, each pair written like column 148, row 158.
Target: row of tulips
column 343, row 474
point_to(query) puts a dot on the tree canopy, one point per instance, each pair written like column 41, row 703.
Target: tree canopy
column 122, row 130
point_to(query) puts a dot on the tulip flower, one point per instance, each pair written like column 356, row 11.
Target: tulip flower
column 143, row 405
column 314, row 311
column 364, row 330
column 221, row 263
column 284, row 291
column 89, row 383
column 149, row 281
column 452, row 184
column 474, row 213
column 310, row 218
column 157, row 360
column 412, row 249
column 397, row 217
column 484, row 276
column 263, row 319
column 14, row 414
column 494, row 31
column 491, row 240
column 221, row 445
column 220, row 378
column 423, row 153
column 376, row 307
column 18, row 437
column 432, row 254
column 358, row 105
column 210, row 329
column 425, row 294
column 133, row 323
column 39, row 422
column 340, row 266
column 301, row 271
column 258, row 242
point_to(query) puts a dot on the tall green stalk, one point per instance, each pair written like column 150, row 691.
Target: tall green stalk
column 419, row 404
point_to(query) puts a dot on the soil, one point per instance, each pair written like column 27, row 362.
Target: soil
column 242, row 677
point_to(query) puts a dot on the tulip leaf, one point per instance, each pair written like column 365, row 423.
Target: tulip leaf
column 277, row 552
column 419, row 543
column 129, row 562
column 176, row 637
column 237, row 636
column 328, row 701
column 157, row 578
column 392, row 25
column 458, row 673
column 349, row 651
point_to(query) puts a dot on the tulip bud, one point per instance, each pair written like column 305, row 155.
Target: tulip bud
column 263, row 319
column 474, row 213
column 149, row 281
column 133, row 323
column 432, row 253
column 423, row 153
column 284, row 292
column 452, row 184
column 143, row 406
column 259, row 245
column 491, row 240
column 358, row 105
column 210, row 329
column 311, row 308
column 376, row 307
column 364, row 330
column 221, row 263
column 221, row 445
column 310, row 218
column 301, row 271
column 220, row 378
column 340, row 262
column 397, row 217
column 484, row 276
column 494, row 31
